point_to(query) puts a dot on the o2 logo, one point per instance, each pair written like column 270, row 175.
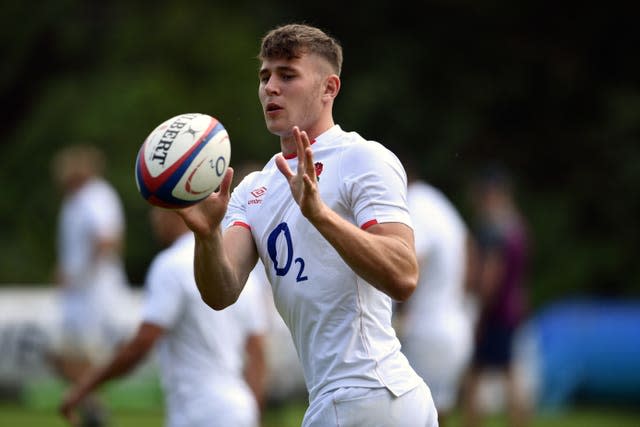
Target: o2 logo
column 283, row 228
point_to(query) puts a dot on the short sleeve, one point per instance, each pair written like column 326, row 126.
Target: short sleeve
column 237, row 208
column 164, row 298
column 106, row 211
column 375, row 184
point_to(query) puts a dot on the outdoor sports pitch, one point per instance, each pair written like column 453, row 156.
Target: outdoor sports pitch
column 290, row 415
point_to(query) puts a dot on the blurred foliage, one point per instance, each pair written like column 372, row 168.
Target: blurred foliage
column 549, row 91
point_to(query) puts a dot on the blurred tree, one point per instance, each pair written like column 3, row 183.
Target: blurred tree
column 551, row 92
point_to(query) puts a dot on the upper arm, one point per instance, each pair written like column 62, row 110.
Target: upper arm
column 396, row 230
column 399, row 263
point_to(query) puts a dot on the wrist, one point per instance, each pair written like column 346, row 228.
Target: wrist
column 320, row 216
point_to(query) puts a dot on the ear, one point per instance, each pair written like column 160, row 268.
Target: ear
column 332, row 86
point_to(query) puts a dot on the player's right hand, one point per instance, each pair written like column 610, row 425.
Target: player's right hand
column 204, row 217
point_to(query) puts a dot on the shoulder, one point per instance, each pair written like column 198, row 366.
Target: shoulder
column 100, row 194
column 250, row 180
column 100, row 187
column 360, row 155
column 177, row 257
column 356, row 145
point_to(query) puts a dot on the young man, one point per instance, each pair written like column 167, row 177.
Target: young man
column 90, row 270
column 502, row 236
column 436, row 324
column 328, row 218
column 201, row 352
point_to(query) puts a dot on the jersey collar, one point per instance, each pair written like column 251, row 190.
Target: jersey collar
column 327, row 135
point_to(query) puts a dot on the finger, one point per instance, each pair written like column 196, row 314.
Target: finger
column 305, row 139
column 310, row 167
column 283, row 167
column 69, row 414
column 299, row 149
column 308, row 184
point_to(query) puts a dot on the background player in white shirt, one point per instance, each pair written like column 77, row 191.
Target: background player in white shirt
column 201, row 352
column 436, row 323
column 334, row 236
column 90, row 271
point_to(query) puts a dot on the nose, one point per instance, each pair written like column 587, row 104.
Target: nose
column 270, row 87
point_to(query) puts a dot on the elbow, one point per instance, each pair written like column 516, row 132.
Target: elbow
column 404, row 288
column 406, row 282
column 216, row 303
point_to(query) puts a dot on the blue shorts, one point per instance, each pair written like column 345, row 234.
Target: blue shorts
column 494, row 345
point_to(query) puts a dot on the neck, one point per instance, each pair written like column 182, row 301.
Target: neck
column 288, row 141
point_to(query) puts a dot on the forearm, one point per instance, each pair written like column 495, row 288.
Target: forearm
column 222, row 265
column 126, row 359
column 256, row 368
column 384, row 259
column 217, row 283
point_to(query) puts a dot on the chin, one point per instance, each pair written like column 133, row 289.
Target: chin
column 278, row 129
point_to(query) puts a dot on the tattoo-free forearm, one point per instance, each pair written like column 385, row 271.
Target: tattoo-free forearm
column 216, row 280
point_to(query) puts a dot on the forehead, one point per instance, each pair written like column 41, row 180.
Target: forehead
column 300, row 63
column 272, row 64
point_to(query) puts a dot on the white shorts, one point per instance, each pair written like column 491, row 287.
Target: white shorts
column 229, row 408
column 90, row 329
column 372, row 407
column 441, row 357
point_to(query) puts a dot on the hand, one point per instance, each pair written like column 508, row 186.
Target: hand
column 304, row 183
column 69, row 405
column 203, row 217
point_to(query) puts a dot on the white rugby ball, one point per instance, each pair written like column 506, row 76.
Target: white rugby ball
column 182, row 160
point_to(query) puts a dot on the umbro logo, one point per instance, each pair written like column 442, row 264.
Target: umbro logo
column 257, row 193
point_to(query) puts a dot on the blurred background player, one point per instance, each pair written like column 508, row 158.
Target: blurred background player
column 436, row 323
column 502, row 257
column 90, row 271
column 211, row 362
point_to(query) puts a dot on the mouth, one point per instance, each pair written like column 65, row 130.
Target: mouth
column 272, row 107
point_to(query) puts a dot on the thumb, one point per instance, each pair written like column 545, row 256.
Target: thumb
column 225, row 185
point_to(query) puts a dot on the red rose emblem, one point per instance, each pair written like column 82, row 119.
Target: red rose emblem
column 318, row 167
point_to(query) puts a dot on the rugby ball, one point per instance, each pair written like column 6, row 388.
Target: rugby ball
column 182, row 160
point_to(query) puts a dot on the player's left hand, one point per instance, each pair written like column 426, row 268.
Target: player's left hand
column 304, row 183
column 68, row 407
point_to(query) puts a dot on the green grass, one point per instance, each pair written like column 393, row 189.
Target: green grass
column 290, row 415
column 20, row 416
column 138, row 403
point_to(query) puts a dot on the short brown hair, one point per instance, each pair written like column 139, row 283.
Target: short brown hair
column 77, row 161
column 293, row 40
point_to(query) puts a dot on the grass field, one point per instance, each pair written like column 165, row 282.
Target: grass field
column 139, row 404
column 291, row 416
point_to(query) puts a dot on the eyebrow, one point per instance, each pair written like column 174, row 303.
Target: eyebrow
column 279, row 68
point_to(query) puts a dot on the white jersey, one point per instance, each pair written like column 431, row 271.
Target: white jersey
column 440, row 236
column 340, row 324
column 92, row 286
column 201, row 354
column 92, row 213
column 437, row 326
